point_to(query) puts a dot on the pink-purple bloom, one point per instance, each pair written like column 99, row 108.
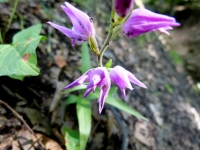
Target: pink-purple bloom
column 96, row 77
column 123, row 7
column 143, row 20
column 82, row 25
column 122, row 79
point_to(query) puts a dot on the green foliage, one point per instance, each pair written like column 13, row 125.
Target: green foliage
column 109, row 64
column 1, row 38
column 79, row 87
column 19, row 59
column 1, row 1
column 84, row 115
column 83, row 108
column 111, row 100
column 12, row 63
column 86, row 3
column 176, row 58
column 169, row 88
column 72, row 138
column 86, row 63
column 71, row 99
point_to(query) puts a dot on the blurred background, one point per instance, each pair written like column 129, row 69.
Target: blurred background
column 168, row 65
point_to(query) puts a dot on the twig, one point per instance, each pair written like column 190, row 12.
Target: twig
column 24, row 122
column 10, row 19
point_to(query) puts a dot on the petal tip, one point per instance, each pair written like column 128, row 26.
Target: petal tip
column 63, row 7
column 65, row 88
column 100, row 110
column 49, row 22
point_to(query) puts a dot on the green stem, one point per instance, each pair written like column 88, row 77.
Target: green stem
column 11, row 18
column 108, row 38
column 1, row 39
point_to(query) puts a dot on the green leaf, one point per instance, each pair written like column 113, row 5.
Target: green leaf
column 19, row 59
column 76, row 88
column 176, row 58
column 1, row 1
column 1, row 39
column 169, row 88
column 71, row 99
column 83, row 110
column 113, row 90
column 123, row 106
column 11, row 63
column 21, row 78
column 120, row 105
column 71, row 138
column 86, row 63
column 109, row 64
column 25, row 34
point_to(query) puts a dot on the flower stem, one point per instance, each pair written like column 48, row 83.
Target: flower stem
column 114, row 29
column 108, row 38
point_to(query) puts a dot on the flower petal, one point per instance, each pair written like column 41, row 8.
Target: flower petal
column 123, row 91
column 97, row 75
column 83, row 24
column 80, row 80
column 119, row 77
column 88, row 90
column 143, row 21
column 134, row 80
column 104, row 89
column 68, row 32
column 136, row 30
column 122, row 7
column 145, row 14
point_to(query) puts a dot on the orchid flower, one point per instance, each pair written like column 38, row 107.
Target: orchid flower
column 82, row 28
column 96, row 77
column 122, row 79
column 123, row 7
column 143, row 20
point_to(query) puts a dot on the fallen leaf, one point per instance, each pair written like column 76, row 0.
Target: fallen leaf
column 60, row 61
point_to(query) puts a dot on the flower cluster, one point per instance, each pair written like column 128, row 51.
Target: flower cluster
column 139, row 22
column 100, row 77
column 132, row 22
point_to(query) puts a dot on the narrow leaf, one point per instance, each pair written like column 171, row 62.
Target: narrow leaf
column 120, row 105
column 83, row 110
column 123, row 106
column 86, row 63
column 109, row 64
column 76, row 88
column 71, row 99
column 71, row 138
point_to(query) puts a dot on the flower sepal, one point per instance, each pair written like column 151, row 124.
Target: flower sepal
column 93, row 45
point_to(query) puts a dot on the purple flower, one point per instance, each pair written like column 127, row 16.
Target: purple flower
column 122, row 79
column 143, row 20
column 82, row 25
column 122, row 7
column 96, row 77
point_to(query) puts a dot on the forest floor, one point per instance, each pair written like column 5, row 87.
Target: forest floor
column 171, row 102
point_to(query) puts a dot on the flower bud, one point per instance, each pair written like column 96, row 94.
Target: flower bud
column 123, row 7
column 83, row 27
column 143, row 21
